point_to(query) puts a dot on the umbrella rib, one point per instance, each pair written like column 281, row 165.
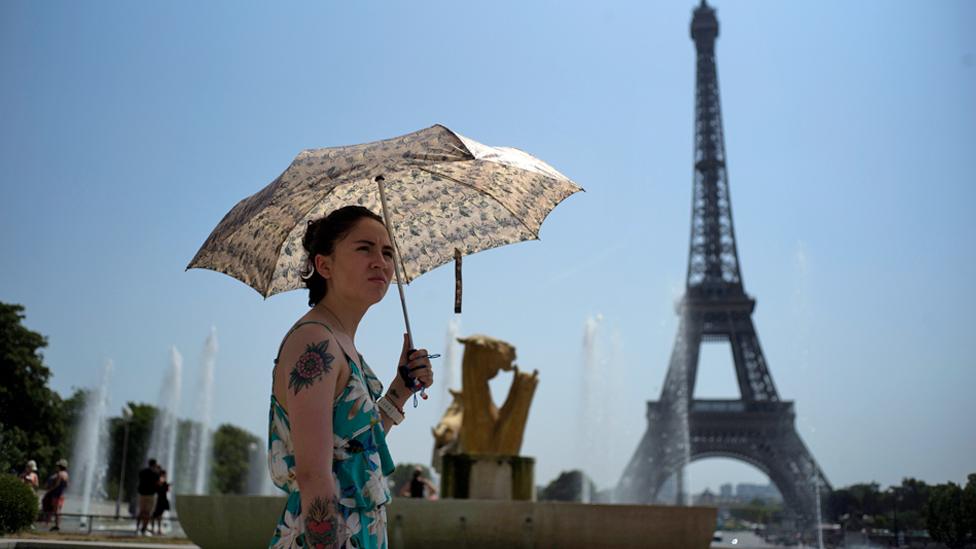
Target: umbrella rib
column 499, row 202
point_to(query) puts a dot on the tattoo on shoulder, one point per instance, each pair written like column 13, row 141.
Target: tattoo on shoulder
column 314, row 363
column 321, row 523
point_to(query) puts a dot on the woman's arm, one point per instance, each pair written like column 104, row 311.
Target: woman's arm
column 310, row 370
column 419, row 366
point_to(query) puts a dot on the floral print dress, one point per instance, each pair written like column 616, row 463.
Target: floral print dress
column 360, row 461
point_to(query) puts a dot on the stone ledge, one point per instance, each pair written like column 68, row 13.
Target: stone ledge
column 242, row 522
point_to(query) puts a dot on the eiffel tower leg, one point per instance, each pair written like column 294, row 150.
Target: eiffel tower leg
column 680, row 495
column 763, row 435
column 799, row 479
column 665, row 449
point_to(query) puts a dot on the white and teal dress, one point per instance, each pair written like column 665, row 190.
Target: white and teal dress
column 360, row 463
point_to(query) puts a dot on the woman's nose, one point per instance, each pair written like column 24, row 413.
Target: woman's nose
column 377, row 260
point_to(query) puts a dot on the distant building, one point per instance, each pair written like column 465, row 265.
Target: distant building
column 746, row 492
column 725, row 491
column 705, row 498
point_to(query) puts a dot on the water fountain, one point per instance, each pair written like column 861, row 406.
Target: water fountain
column 258, row 479
column 162, row 445
column 89, row 457
column 680, row 410
column 591, row 417
column 818, row 514
column 452, row 360
column 202, row 437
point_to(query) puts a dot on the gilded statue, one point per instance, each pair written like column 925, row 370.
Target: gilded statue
column 472, row 424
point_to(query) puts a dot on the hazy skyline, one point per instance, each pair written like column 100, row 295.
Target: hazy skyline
column 131, row 128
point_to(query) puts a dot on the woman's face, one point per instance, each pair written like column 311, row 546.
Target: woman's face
column 360, row 267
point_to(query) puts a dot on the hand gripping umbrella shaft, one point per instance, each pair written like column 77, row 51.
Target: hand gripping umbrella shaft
column 396, row 269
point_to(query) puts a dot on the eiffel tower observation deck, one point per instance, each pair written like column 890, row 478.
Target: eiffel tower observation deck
column 758, row 428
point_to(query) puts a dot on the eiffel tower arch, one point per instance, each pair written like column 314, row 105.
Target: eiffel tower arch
column 758, row 428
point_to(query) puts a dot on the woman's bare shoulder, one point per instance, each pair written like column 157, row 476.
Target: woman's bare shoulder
column 308, row 357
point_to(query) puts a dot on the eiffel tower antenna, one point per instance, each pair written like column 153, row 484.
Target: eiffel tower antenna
column 758, row 428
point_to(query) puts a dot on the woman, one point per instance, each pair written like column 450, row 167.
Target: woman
column 53, row 499
column 162, row 502
column 328, row 420
column 419, row 486
column 29, row 476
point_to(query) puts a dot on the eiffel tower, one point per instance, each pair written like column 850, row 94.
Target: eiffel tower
column 758, row 428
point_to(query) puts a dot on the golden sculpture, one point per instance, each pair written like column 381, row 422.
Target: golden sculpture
column 472, row 424
column 447, row 433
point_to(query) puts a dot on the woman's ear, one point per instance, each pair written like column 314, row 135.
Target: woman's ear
column 323, row 265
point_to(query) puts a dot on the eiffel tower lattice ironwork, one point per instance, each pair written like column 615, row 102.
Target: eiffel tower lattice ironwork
column 758, row 428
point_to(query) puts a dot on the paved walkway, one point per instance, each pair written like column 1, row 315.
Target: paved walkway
column 742, row 540
column 14, row 543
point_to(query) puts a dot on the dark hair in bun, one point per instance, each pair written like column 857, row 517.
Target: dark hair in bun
column 320, row 238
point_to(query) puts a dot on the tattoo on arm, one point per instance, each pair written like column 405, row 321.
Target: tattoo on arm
column 322, row 523
column 314, row 363
column 394, row 393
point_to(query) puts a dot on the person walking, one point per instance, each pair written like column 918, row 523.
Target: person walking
column 148, row 485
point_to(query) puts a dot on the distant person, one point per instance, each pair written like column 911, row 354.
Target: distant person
column 162, row 501
column 148, row 485
column 53, row 499
column 419, row 486
column 29, row 476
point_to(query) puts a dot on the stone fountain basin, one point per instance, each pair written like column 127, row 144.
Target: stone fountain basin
column 242, row 522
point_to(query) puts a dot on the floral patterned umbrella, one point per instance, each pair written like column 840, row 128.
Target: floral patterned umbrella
column 444, row 192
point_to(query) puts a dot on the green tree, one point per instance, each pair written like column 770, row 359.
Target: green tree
column 140, row 433
column 232, row 447
column 402, row 475
column 912, row 496
column 945, row 516
column 757, row 511
column 859, row 505
column 969, row 505
column 568, row 486
column 31, row 425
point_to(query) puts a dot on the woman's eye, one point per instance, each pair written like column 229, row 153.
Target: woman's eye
column 388, row 255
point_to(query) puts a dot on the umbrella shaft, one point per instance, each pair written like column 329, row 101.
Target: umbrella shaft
column 396, row 262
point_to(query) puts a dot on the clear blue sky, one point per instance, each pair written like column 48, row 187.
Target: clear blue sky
column 130, row 128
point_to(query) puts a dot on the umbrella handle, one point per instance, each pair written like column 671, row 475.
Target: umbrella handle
column 397, row 264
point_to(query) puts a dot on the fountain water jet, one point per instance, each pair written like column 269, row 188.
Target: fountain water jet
column 680, row 409
column 258, row 479
column 162, row 444
column 452, row 359
column 591, row 412
column 90, row 453
column 202, row 436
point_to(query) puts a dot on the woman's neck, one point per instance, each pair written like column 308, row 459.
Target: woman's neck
column 346, row 316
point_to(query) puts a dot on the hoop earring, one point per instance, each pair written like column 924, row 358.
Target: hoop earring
column 309, row 270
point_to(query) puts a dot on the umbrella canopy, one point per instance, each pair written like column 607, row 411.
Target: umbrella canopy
column 444, row 192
